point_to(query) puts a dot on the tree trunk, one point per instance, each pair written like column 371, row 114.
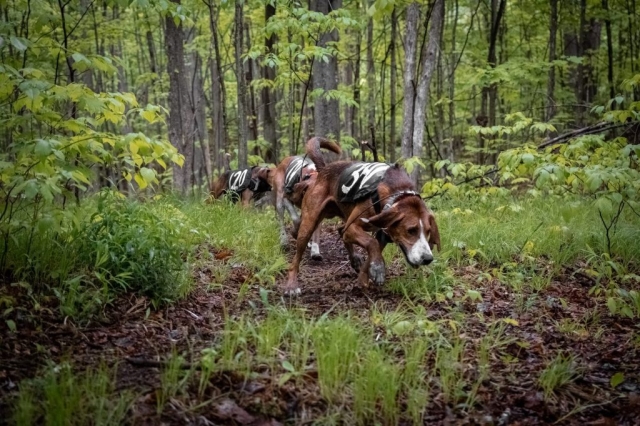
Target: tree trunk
column 203, row 155
column 452, row 74
column 589, row 42
column 251, row 70
column 393, row 82
column 242, row 86
column 429, row 63
column 356, row 129
column 325, row 77
column 607, row 22
column 268, row 93
column 410, row 48
column 180, row 116
column 489, row 93
column 349, row 110
column 218, row 116
column 553, row 29
column 371, row 83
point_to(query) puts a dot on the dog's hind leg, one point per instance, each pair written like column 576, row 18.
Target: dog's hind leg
column 280, row 203
column 315, row 245
column 310, row 221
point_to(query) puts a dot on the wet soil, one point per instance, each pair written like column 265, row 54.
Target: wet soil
column 137, row 339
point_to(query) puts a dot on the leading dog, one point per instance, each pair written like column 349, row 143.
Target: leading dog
column 291, row 179
column 369, row 197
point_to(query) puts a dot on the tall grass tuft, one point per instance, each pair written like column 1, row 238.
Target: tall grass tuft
column 414, row 378
column 63, row 397
column 561, row 371
column 336, row 343
column 376, row 388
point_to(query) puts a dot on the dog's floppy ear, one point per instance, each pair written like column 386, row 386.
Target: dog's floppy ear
column 434, row 236
column 385, row 219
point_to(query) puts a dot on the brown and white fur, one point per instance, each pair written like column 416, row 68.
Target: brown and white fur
column 290, row 201
column 404, row 217
column 221, row 185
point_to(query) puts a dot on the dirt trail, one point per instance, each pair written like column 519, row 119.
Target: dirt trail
column 509, row 396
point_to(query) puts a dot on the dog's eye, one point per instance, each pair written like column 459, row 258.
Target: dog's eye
column 413, row 231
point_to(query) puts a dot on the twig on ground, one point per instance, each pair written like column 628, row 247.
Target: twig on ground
column 150, row 363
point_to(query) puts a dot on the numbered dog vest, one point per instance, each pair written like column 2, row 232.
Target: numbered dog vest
column 239, row 180
column 293, row 173
column 360, row 180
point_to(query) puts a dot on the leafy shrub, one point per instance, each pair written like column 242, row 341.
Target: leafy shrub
column 130, row 248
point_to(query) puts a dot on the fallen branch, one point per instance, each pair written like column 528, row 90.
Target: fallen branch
column 589, row 130
column 149, row 363
column 492, row 171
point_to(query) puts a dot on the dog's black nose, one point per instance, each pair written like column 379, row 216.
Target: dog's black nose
column 427, row 260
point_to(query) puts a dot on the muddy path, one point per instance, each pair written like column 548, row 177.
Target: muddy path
column 133, row 336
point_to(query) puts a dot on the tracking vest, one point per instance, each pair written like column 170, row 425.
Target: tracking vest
column 360, row 180
column 239, row 180
column 294, row 171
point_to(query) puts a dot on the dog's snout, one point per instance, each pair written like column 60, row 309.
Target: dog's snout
column 427, row 259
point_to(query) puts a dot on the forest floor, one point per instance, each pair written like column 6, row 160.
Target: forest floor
column 528, row 331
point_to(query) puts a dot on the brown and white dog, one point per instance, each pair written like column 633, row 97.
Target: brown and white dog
column 369, row 197
column 241, row 184
column 290, row 181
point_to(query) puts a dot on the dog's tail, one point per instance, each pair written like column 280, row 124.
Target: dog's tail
column 313, row 150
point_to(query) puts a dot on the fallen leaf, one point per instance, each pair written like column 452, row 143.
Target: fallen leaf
column 227, row 409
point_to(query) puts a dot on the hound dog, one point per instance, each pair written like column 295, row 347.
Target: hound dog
column 370, row 198
column 290, row 181
column 242, row 184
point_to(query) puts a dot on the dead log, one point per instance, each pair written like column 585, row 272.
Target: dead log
column 589, row 130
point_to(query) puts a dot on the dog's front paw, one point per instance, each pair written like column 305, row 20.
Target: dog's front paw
column 291, row 288
column 376, row 272
column 356, row 262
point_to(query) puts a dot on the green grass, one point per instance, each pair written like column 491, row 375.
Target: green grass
column 559, row 372
column 389, row 362
column 63, row 397
column 500, row 230
column 336, row 343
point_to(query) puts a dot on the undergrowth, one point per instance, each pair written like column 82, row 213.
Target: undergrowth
column 64, row 397
column 386, row 365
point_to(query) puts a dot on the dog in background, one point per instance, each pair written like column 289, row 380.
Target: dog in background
column 378, row 204
column 242, row 184
column 290, row 181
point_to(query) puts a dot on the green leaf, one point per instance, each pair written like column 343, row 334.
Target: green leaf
column 474, row 295
column 617, row 379
column 284, row 378
column 42, row 148
column 11, row 325
column 140, row 181
column 402, row 328
column 148, row 115
column 148, row 174
column 604, row 205
column 19, row 43
column 288, row 366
